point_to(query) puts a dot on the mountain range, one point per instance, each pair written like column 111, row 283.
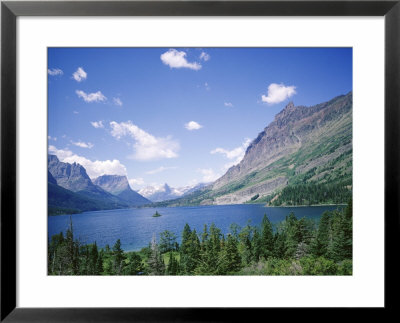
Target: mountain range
column 303, row 157
column 119, row 186
column 70, row 190
column 165, row 192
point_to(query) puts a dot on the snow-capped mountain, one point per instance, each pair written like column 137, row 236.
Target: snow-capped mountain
column 165, row 192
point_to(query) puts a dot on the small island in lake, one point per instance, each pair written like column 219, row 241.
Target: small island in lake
column 155, row 215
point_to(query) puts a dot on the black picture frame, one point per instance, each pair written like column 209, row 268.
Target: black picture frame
column 10, row 10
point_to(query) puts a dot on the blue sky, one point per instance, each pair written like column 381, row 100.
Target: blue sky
column 178, row 115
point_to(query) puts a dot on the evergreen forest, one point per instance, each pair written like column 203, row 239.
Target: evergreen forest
column 291, row 247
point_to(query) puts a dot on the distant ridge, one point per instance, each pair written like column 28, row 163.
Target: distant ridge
column 166, row 192
column 119, row 186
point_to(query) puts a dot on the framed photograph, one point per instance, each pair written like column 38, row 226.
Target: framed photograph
column 177, row 155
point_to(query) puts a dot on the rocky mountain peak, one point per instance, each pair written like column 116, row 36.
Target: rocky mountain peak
column 292, row 128
column 167, row 188
column 289, row 112
column 70, row 176
column 52, row 159
column 113, row 184
column 289, row 106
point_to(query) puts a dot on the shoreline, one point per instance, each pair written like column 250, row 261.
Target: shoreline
column 341, row 204
column 269, row 206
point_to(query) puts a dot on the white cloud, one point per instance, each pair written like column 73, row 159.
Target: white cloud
column 193, row 125
column 147, row 146
column 177, row 59
column 159, row 170
column 228, row 104
column 91, row 97
column 55, row 71
column 79, row 75
column 236, row 154
column 93, row 168
column 136, row 181
column 52, row 138
column 204, row 56
column 208, row 175
column 82, row 144
column 97, row 124
column 75, row 112
column 278, row 93
column 117, row 101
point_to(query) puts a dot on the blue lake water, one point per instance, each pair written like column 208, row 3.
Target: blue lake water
column 135, row 227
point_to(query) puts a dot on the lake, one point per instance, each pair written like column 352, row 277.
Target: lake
column 135, row 227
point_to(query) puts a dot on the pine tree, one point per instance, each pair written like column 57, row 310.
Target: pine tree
column 305, row 229
column 155, row 261
column 107, row 261
column 279, row 245
column 118, row 258
column 84, row 264
column 204, row 238
column 215, row 237
column 93, row 258
column 342, row 235
column 256, row 245
column 99, row 263
column 321, row 241
column 247, row 252
column 167, row 241
column 292, row 235
column 348, row 231
column 186, row 233
column 135, row 265
column 231, row 258
column 235, row 230
column 194, row 252
column 214, row 248
column 72, row 250
column 267, row 238
column 56, row 244
column 209, row 256
column 185, row 250
column 245, row 245
column 173, row 265
column 222, row 243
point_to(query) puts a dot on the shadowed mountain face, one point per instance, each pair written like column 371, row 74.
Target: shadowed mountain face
column 73, row 177
column 119, row 186
column 301, row 146
column 51, row 179
column 70, row 188
column 62, row 201
column 114, row 184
